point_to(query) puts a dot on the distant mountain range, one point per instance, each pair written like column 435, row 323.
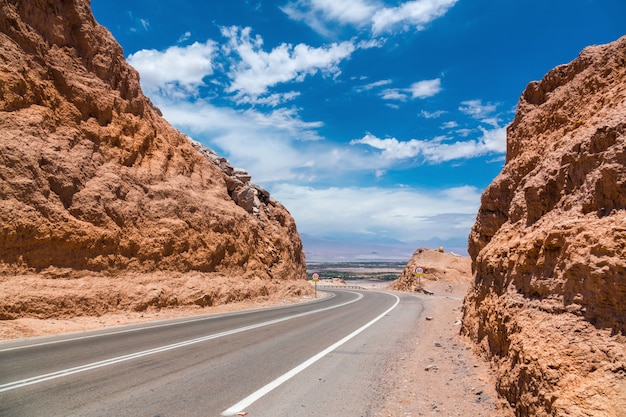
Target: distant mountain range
column 350, row 248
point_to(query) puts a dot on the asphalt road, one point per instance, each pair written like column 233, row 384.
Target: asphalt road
column 316, row 359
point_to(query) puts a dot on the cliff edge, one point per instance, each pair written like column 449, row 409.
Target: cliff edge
column 93, row 181
column 548, row 249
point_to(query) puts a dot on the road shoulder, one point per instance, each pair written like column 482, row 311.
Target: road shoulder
column 435, row 370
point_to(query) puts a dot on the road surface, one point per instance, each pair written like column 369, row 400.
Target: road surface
column 323, row 358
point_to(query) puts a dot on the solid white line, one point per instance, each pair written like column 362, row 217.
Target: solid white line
column 82, row 368
column 250, row 399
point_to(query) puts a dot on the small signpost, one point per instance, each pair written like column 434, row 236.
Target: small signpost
column 419, row 273
column 315, row 277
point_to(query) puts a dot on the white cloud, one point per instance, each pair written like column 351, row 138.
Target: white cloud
column 394, row 94
column 184, row 37
column 449, row 125
column 426, row 88
column 402, row 213
column 176, row 70
column 138, row 23
column 438, row 150
column 314, row 20
column 145, row 23
column 419, row 89
column 252, row 72
column 491, row 121
column 371, row 43
column 391, row 148
column 354, row 12
column 284, row 119
column 203, row 117
column 261, row 143
column 476, row 108
column 408, row 15
column 274, row 147
column 272, row 100
column 256, row 70
column 463, row 132
column 494, row 140
column 322, row 15
column 279, row 146
column 373, row 85
column 432, row 115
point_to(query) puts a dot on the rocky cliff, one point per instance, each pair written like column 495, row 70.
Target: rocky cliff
column 443, row 272
column 548, row 303
column 94, row 180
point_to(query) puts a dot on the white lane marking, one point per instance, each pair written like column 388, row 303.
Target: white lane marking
column 136, row 329
column 250, row 399
column 65, row 372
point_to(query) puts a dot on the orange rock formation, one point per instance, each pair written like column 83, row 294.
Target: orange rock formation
column 93, row 179
column 548, row 304
column 442, row 272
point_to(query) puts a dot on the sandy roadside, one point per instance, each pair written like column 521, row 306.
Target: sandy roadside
column 435, row 371
column 31, row 327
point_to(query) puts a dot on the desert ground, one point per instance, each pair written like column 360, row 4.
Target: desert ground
column 436, row 372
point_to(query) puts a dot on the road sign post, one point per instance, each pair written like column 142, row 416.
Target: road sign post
column 419, row 272
column 315, row 277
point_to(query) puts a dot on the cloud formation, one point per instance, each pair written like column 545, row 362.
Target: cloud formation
column 409, row 15
column 440, row 149
column 317, row 14
column 426, row 88
column 476, row 108
column 176, row 70
column 250, row 70
column 253, row 71
column 406, row 214
column 241, row 98
column 322, row 15
column 373, row 85
column 418, row 90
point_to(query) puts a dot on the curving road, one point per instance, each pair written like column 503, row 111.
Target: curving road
column 323, row 358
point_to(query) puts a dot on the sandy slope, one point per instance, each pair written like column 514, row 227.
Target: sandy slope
column 30, row 327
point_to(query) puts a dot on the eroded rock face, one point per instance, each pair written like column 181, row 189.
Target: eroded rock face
column 548, row 249
column 448, row 269
column 92, row 178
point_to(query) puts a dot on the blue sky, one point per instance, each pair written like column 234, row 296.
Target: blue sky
column 377, row 123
